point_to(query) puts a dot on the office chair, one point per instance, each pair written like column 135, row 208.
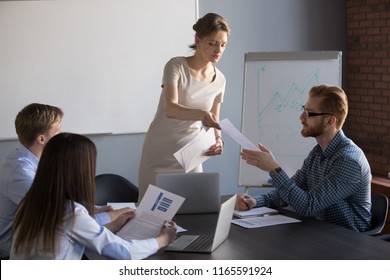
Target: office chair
column 385, row 237
column 114, row 188
column 379, row 208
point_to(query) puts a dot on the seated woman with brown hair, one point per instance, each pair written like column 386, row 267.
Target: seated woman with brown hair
column 55, row 218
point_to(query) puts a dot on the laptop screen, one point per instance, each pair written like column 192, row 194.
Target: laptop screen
column 200, row 190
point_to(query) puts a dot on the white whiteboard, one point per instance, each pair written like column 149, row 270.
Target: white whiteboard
column 276, row 85
column 101, row 61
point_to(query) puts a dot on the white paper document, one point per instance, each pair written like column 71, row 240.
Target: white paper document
column 156, row 206
column 255, row 212
column 193, row 154
column 264, row 221
column 120, row 205
column 236, row 135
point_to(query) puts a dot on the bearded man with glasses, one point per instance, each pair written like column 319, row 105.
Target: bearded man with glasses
column 334, row 182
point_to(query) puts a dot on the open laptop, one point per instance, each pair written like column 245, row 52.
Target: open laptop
column 207, row 243
column 200, row 190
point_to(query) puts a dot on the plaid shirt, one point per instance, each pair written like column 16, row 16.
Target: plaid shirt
column 334, row 185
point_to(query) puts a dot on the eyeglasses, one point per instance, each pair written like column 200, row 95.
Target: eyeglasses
column 313, row 114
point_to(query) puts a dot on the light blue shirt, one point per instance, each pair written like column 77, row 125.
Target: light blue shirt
column 334, row 185
column 16, row 177
column 85, row 232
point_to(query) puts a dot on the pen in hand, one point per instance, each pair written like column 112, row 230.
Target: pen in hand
column 247, row 201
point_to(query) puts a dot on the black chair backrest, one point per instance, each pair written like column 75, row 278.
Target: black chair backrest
column 114, row 188
column 385, row 237
column 379, row 209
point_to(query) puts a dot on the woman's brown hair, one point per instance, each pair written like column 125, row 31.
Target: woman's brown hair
column 65, row 174
column 208, row 24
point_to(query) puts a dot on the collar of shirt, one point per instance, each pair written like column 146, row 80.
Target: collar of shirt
column 27, row 153
column 329, row 151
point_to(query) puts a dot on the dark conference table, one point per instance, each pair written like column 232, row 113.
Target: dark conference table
column 310, row 239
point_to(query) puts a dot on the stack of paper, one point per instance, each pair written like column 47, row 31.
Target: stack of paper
column 255, row 212
column 264, row 221
column 120, row 205
column 193, row 154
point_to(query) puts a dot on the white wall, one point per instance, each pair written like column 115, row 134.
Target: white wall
column 257, row 25
column 93, row 65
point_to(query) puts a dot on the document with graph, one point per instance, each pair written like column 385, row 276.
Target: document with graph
column 156, row 207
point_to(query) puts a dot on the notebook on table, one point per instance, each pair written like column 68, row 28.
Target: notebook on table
column 200, row 190
column 207, row 243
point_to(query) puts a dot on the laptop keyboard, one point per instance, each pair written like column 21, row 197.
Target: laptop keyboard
column 201, row 244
